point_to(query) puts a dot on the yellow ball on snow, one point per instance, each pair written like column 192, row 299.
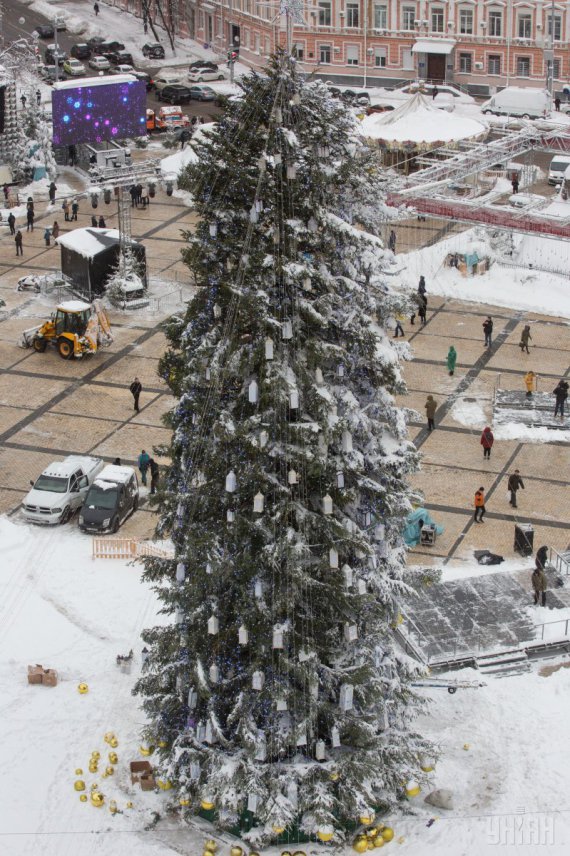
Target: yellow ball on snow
column 211, row 845
column 236, row 851
column 129, row 805
column 82, row 689
column 94, row 786
column 360, row 844
column 79, row 785
column 83, row 797
column 413, row 789
column 296, row 853
column 325, row 835
column 113, row 757
column 113, row 742
column 79, row 772
column 146, row 750
column 110, row 771
column 387, row 833
column 97, row 799
column 379, row 841
column 108, row 736
column 95, row 755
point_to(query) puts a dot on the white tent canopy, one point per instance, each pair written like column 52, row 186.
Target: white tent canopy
column 418, row 122
column 434, row 46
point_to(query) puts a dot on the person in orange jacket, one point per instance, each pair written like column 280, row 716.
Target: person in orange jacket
column 479, row 505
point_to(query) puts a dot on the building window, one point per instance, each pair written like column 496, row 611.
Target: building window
column 523, row 66
column 494, row 64
column 380, row 57
column 495, row 23
column 324, row 13
column 325, row 54
column 557, row 26
column 466, row 21
column 465, row 63
column 408, row 17
column 556, row 70
column 437, row 20
column 525, row 26
column 298, row 50
column 380, row 17
column 352, row 55
column 352, row 10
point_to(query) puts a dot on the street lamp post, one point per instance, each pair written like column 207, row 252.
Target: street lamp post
column 56, row 21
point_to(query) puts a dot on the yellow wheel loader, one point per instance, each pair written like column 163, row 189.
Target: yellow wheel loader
column 76, row 328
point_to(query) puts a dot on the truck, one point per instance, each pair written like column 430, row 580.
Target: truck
column 519, row 101
column 165, row 119
column 61, row 489
column 557, row 169
column 76, row 329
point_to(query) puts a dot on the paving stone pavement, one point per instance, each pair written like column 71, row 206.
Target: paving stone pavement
column 50, row 407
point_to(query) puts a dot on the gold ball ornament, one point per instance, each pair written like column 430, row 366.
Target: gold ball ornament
column 164, row 784
column 108, row 736
column 162, row 744
column 109, row 770
column 94, row 786
column 466, row 746
column 93, row 767
column 82, row 689
column 334, row 776
column 146, row 750
column 129, row 805
column 372, row 833
column 286, row 853
column 79, row 785
column 371, row 844
column 113, row 758
column 325, row 835
column 113, row 807
column 379, row 841
column 427, row 765
column 206, row 805
column 236, row 851
column 79, row 772
column 95, row 755
column 211, row 845
column 366, row 819
column 97, row 799
column 296, row 853
column 278, row 830
column 387, row 833
column 113, row 743
column 360, row 844
column 413, row 789
column 83, row 797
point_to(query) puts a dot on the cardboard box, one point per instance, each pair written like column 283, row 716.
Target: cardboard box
column 35, row 674
column 141, row 774
column 49, row 678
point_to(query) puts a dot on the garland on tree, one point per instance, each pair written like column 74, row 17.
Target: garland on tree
column 277, row 696
column 33, row 147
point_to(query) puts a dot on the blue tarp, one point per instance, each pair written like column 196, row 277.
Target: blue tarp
column 413, row 526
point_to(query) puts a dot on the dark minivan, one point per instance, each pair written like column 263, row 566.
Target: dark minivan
column 113, row 496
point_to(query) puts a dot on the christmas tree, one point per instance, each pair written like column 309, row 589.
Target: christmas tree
column 277, row 696
column 33, row 148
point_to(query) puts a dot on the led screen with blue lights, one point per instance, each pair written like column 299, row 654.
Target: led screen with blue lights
column 99, row 113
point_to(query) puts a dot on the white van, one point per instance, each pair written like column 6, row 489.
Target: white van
column 518, row 101
column 558, row 166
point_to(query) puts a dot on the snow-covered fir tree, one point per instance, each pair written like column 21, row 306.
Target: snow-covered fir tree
column 276, row 695
column 124, row 280
column 33, row 147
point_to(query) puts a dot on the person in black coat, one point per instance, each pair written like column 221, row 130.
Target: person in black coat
column 30, row 220
column 488, row 330
column 515, row 482
column 94, row 221
column 422, row 286
column 541, row 557
column 102, row 224
column 154, row 475
column 136, row 389
column 12, row 223
column 561, row 394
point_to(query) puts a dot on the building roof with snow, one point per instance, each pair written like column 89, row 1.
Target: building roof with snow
column 89, row 242
column 418, row 124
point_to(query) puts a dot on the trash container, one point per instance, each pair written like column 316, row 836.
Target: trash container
column 524, row 539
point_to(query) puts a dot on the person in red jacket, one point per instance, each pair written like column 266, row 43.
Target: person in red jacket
column 487, row 440
column 479, row 505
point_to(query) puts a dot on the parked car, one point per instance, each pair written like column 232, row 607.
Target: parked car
column 94, row 42
column 109, row 46
column 146, row 78
column 203, row 63
column 99, row 63
column 48, row 72
column 44, row 31
column 123, row 69
column 153, row 50
column 202, row 93
column 120, row 58
column 81, row 51
column 74, row 68
column 175, row 93
column 113, row 496
column 61, row 489
column 351, row 96
column 166, row 78
column 51, row 54
column 199, row 74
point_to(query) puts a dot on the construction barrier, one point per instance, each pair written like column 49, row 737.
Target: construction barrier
column 128, row 548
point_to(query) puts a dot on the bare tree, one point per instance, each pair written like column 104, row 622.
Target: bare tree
column 167, row 13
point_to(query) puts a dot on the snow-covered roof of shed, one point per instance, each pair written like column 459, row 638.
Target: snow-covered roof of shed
column 90, row 242
column 89, row 82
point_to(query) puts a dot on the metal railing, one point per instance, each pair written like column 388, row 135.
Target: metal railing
column 559, row 561
column 541, row 627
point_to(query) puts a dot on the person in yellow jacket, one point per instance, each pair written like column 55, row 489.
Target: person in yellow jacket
column 529, row 382
column 479, row 505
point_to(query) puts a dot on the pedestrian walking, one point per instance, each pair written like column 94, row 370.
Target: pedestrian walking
column 12, row 223
column 525, row 338
column 52, row 190
column 143, row 462
column 422, row 310
column 96, row 9
column 47, row 236
column 422, row 286
column 541, row 557
column 184, row 137
column 30, row 220
column 487, row 440
column 102, row 224
column 557, row 104
column 515, row 183
column 399, row 330
column 451, row 359
column 93, row 221
column 434, row 93
column 133, row 192
column 144, row 196
column 529, row 382
column 6, row 191
column 539, row 586
column 38, row 97
column 392, row 241
column 55, row 230
column 515, row 482
column 479, row 503
column 488, row 330
column 65, row 209
column 74, row 209
column 136, row 389
column 18, row 241
column 431, row 407
column 561, row 394
column 23, row 100
column 154, row 475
